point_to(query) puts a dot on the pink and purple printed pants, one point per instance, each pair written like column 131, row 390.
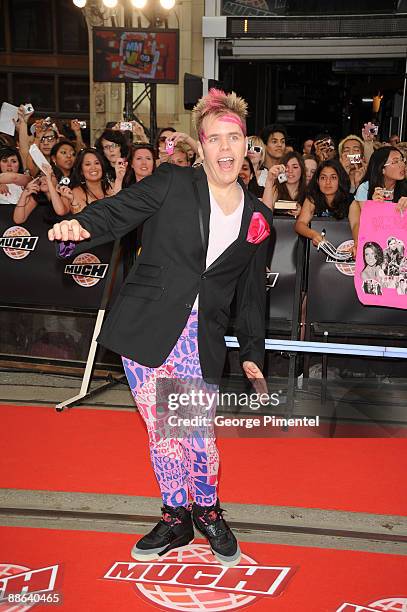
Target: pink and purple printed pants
column 186, row 467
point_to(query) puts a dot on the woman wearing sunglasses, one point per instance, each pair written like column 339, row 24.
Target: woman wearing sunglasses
column 256, row 151
column 384, row 180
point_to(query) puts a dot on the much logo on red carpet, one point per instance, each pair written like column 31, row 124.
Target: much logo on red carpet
column 390, row 604
column 21, row 588
column 189, row 580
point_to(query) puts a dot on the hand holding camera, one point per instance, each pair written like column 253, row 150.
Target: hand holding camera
column 28, row 109
column 65, row 192
column 323, row 148
column 275, row 172
column 32, row 187
column 369, row 131
column 77, row 125
column 4, row 190
column 388, row 194
column 120, row 168
column 139, row 132
column 125, row 126
column 355, row 158
column 378, row 194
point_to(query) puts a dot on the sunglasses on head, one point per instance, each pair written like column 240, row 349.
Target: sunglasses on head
column 255, row 149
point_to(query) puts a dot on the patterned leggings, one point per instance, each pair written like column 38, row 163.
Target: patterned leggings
column 185, row 467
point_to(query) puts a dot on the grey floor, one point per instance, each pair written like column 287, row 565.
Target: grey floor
column 132, row 514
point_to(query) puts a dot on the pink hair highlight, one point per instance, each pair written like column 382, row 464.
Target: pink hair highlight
column 234, row 119
column 214, row 104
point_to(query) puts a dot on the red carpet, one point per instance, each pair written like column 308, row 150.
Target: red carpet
column 316, row 580
column 105, row 451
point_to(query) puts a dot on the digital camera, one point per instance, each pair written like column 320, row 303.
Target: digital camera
column 65, row 181
column 82, row 125
column 374, row 130
column 388, row 194
column 47, row 123
column 282, row 177
column 169, row 147
column 125, row 125
column 28, row 108
column 328, row 143
column 356, row 158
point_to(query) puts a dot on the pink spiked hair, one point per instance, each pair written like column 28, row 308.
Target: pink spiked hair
column 219, row 104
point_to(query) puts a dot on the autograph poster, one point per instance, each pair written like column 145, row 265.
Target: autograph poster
column 381, row 260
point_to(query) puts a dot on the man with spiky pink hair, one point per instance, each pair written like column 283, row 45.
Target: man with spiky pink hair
column 204, row 241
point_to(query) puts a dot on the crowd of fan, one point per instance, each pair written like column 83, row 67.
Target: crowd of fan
column 323, row 179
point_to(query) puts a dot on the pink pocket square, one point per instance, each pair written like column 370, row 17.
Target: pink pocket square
column 259, row 229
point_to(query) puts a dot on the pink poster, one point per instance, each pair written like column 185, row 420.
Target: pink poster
column 381, row 260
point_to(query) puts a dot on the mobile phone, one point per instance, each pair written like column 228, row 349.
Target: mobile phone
column 169, row 147
column 125, row 125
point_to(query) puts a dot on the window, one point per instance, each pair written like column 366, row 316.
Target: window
column 31, row 26
column 3, row 88
column 74, row 94
column 37, row 89
column 72, row 29
column 2, row 26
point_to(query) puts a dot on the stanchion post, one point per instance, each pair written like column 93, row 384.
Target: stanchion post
column 90, row 361
column 297, row 305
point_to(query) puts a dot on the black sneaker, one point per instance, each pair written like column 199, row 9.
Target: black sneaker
column 174, row 530
column 209, row 521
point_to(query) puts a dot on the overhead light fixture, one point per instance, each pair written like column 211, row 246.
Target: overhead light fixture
column 139, row 4
column 79, row 3
column 110, row 3
column 167, row 4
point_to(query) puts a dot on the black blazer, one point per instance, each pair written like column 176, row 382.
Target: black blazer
column 156, row 299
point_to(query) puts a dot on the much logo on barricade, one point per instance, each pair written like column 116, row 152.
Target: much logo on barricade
column 344, row 267
column 189, row 580
column 381, row 263
column 390, row 604
column 17, row 242
column 21, row 588
column 271, row 279
column 86, row 270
